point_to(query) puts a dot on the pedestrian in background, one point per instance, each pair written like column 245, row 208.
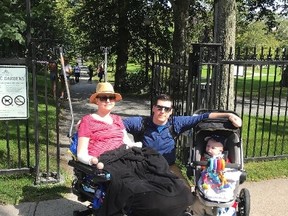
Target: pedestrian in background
column 68, row 72
column 90, row 73
column 100, row 72
column 77, row 71
column 53, row 72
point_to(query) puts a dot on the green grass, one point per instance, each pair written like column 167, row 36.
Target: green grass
column 256, row 84
column 260, row 85
column 19, row 188
column 258, row 171
column 132, row 67
column 264, row 136
column 17, row 128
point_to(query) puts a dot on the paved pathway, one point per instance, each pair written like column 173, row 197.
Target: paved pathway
column 268, row 198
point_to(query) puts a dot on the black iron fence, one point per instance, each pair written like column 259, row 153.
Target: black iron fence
column 29, row 144
column 253, row 83
column 258, row 92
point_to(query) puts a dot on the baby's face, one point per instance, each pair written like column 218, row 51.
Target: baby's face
column 214, row 148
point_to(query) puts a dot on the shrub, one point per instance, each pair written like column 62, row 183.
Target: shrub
column 134, row 82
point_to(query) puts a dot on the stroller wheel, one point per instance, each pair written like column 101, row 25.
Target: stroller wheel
column 244, row 203
column 87, row 212
column 76, row 213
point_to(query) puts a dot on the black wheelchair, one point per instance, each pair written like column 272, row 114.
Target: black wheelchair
column 135, row 182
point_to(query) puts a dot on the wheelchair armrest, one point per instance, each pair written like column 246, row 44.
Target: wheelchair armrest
column 90, row 170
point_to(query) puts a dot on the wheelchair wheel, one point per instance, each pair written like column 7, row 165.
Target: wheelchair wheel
column 244, row 203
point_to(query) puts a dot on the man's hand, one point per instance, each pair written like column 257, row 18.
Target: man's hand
column 236, row 121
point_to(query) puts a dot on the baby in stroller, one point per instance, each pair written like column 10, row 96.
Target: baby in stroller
column 218, row 170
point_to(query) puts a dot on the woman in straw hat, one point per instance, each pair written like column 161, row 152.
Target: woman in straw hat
column 101, row 131
column 141, row 182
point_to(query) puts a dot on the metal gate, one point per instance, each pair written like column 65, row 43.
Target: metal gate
column 260, row 87
column 32, row 145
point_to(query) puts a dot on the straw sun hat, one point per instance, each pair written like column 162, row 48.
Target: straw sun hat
column 104, row 88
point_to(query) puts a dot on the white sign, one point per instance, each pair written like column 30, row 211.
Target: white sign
column 14, row 102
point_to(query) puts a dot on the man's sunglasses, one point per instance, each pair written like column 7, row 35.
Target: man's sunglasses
column 105, row 98
column 166, row 109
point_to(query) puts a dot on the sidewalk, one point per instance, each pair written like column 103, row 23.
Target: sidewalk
column 268, row 198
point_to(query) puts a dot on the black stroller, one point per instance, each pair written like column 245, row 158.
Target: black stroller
column 232, row 150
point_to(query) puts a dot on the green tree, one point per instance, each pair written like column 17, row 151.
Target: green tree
column 120, row 26
column 107, row 24
column 12, row 18
column 256, row 35
column 12, row 27
column 267, row 10
column 64, row 11
column 15, row 26
column 281, row 33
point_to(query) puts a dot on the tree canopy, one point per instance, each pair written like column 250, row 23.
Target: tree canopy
column 128, row 26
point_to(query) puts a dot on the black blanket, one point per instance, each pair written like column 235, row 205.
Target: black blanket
column 142, row 184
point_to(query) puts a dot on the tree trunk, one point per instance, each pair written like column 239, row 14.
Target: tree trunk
column 224, row 32
column 122, row 45
column 180, row 16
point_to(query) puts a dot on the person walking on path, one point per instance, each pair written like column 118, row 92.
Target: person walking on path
column 68, row 72
column 53, row 70
column 77, row 71
column 100, row 72
column 90, row 73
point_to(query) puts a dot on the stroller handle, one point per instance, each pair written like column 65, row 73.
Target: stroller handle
column 206, row 163
column 201, row 111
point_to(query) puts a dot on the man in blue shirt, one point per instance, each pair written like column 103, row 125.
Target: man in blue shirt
column 157, row 133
